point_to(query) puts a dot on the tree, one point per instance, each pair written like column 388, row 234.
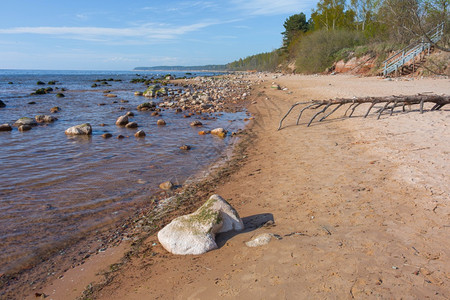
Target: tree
column 331, row 15
column 293, row 26
column 365, row 11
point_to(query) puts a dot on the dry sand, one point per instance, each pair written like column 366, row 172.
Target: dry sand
column 361, row 207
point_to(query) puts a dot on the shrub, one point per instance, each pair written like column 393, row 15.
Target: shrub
column 318, row 50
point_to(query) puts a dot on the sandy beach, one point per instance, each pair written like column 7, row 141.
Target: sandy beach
column 360, row 207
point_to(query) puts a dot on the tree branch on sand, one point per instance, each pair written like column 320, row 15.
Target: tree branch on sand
column 390, row 103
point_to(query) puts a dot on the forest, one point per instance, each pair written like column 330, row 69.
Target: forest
column 339, row 29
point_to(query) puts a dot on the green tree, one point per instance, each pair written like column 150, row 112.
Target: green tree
column 294, row 25
column 331, row 15
column 365, row 12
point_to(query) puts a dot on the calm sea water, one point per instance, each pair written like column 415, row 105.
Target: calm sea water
column 54, row 188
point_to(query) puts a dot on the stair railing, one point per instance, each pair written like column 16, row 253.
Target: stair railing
column 394, row 62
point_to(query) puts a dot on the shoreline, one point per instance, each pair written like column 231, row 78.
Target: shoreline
column 280, row 167
column 68, row 255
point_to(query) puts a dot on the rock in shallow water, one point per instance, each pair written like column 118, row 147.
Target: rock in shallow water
column 82, row 129
column 122, row 121
column 25, row 121
column 167, row 185
column 23, row 128
column 195, row 233
column 45, row 119
column 5, row 127
column 132, row 125
column 140, row 133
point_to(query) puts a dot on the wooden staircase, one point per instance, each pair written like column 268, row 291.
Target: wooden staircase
column 409, row 58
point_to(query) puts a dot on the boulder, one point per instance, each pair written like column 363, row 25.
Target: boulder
column 106, row 135
column 82, row 129
column 161, row 122
column 5, row 127
column 140, row 133
column 45, row 119
column 2, row 104
column 26, row 121
column 122, row 121
column 195, row 233
column 129, row 114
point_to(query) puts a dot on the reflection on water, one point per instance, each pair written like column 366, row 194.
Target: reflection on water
column 53, row 186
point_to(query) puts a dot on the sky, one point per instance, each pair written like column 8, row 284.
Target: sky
column 121, row 35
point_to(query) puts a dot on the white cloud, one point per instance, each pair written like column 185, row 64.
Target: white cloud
column 271, row 7
column 148, row 31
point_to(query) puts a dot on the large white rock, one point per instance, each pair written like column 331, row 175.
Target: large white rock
column 195, row 233
column 83, row 129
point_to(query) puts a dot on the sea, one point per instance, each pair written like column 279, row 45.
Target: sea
column 55, row 188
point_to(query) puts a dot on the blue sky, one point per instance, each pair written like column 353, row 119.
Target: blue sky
column 121, row 35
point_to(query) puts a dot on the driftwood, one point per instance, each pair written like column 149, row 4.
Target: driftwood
column 390, row 103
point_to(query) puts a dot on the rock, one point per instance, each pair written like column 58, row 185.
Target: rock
column 111, row 95
column 167, row 185
column 219, row 132
column 138, row 93
column 23, row 128
column 60, row 95
column 5, row 127
column 82, row 129
column 132, row 125
column 204, row 132
column 161, row 122
column 122, row 121
column 55, row 109
column 140, row 133
column 195, row 233
column 275, row 86
column 106, row 135
column 119, row 137
column 147, row 106
column 196, row 123
column 45, row 119
column 25, row 121
column 2, row 104
column 185, row 147
column 155, row 113
column 129, row 114
column 151, row 91
column 259, row 240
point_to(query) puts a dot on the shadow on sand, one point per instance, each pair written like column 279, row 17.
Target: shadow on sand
column 251, row 223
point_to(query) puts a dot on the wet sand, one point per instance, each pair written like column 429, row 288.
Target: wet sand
column 361, row 206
